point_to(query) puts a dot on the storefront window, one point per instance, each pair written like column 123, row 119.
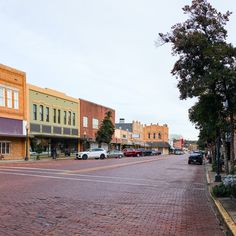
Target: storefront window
column 4, row 147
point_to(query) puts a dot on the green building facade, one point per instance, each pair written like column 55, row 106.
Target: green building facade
column 54, row 122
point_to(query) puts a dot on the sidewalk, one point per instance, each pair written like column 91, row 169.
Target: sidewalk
column 226, row 206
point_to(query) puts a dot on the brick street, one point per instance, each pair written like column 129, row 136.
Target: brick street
column 130, row 196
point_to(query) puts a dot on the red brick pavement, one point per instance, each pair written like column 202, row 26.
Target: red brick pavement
column 163, row 197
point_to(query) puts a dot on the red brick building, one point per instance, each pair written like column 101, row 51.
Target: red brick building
column 91, row 116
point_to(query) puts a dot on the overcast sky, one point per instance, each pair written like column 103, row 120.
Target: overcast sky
column 103, row 51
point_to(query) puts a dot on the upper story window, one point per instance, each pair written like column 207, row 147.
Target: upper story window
column 47, row 114
column 73, row 118
column 54, row 115
column 85, row 121
column 9, row 98
column 16, row 99
column 154, row 135
column 95, row 123
column 59, row 116
column 35, row 111
column 2, row 96
column 159, row 135
column 149, row 135
column 65, row 117
column 69, row 118
column 41, row 112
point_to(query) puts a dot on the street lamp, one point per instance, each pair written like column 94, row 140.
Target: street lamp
column 84, row 140
column 27, row 139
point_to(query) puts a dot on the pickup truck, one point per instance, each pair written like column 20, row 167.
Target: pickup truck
column 130, row 152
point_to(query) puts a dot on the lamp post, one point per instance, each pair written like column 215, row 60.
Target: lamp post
column 84, row 141
column 27, row 139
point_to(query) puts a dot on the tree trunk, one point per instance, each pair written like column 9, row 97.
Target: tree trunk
column 231, row 143
column 225, row 153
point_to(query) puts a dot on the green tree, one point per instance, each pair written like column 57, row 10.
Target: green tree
column 206, row 62
column 106, row 131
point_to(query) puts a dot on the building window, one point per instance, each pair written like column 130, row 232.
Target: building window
column 16, row 99
column 95, row 123
column 2, row 96
column 159, row 135
column 69, row 118
column 149, row 135
column 41, row 112
column 85, row 121
column 59, row 116
column 4, row 147
column 73, row 119
column 154, row 135
column 47, row 114
column 65, row 116
column 54, row 115
column 35, row 111
column 9, row 98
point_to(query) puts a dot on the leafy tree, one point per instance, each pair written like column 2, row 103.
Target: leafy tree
column 206, row 65
column 107, row 129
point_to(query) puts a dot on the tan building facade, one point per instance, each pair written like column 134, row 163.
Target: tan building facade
column 12, row 113
column 156, row 136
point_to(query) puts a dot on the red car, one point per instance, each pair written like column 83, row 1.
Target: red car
column 130, row 152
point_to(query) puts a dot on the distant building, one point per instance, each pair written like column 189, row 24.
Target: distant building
column 156, row 136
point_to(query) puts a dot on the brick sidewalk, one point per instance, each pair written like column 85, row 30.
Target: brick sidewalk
column 226, row 206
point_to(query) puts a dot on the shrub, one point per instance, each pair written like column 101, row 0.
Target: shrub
column 221, row 190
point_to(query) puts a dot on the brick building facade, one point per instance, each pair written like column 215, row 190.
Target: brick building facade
column 12, row 113
column 91, row 116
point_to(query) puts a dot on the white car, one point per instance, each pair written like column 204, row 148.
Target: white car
column 93, row 153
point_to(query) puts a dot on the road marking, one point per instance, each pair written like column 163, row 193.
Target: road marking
column 109, row 167
column 77, row 179
column 9, row 169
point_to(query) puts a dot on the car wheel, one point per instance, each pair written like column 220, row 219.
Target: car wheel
column 85, row 157
column 102, row 156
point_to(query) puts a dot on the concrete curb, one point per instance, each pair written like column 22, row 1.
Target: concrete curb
column 224, row 214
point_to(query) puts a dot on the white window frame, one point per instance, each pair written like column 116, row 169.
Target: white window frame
column 2, row 97
column 95, row 123
column 85, row 121
column 6, row 144
column 16, row 99
column 9, row 98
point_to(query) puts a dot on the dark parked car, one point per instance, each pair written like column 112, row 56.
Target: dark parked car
column 195, row 157
column 155, row 152
column 145, row 152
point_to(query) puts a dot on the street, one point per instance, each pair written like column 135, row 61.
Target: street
column 131, row 196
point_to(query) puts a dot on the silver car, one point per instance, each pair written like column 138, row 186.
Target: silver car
column 115, row 154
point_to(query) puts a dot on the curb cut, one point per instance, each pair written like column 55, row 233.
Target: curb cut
column 225, row 215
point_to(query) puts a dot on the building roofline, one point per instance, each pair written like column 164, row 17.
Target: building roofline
column 13, row 70
column 97, row 104
column 52, row 92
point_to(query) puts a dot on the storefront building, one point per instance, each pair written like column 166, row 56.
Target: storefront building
column 136, row 132
column 54, row 121
column 12, row 113
column 91, row 117
column 156, row 137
